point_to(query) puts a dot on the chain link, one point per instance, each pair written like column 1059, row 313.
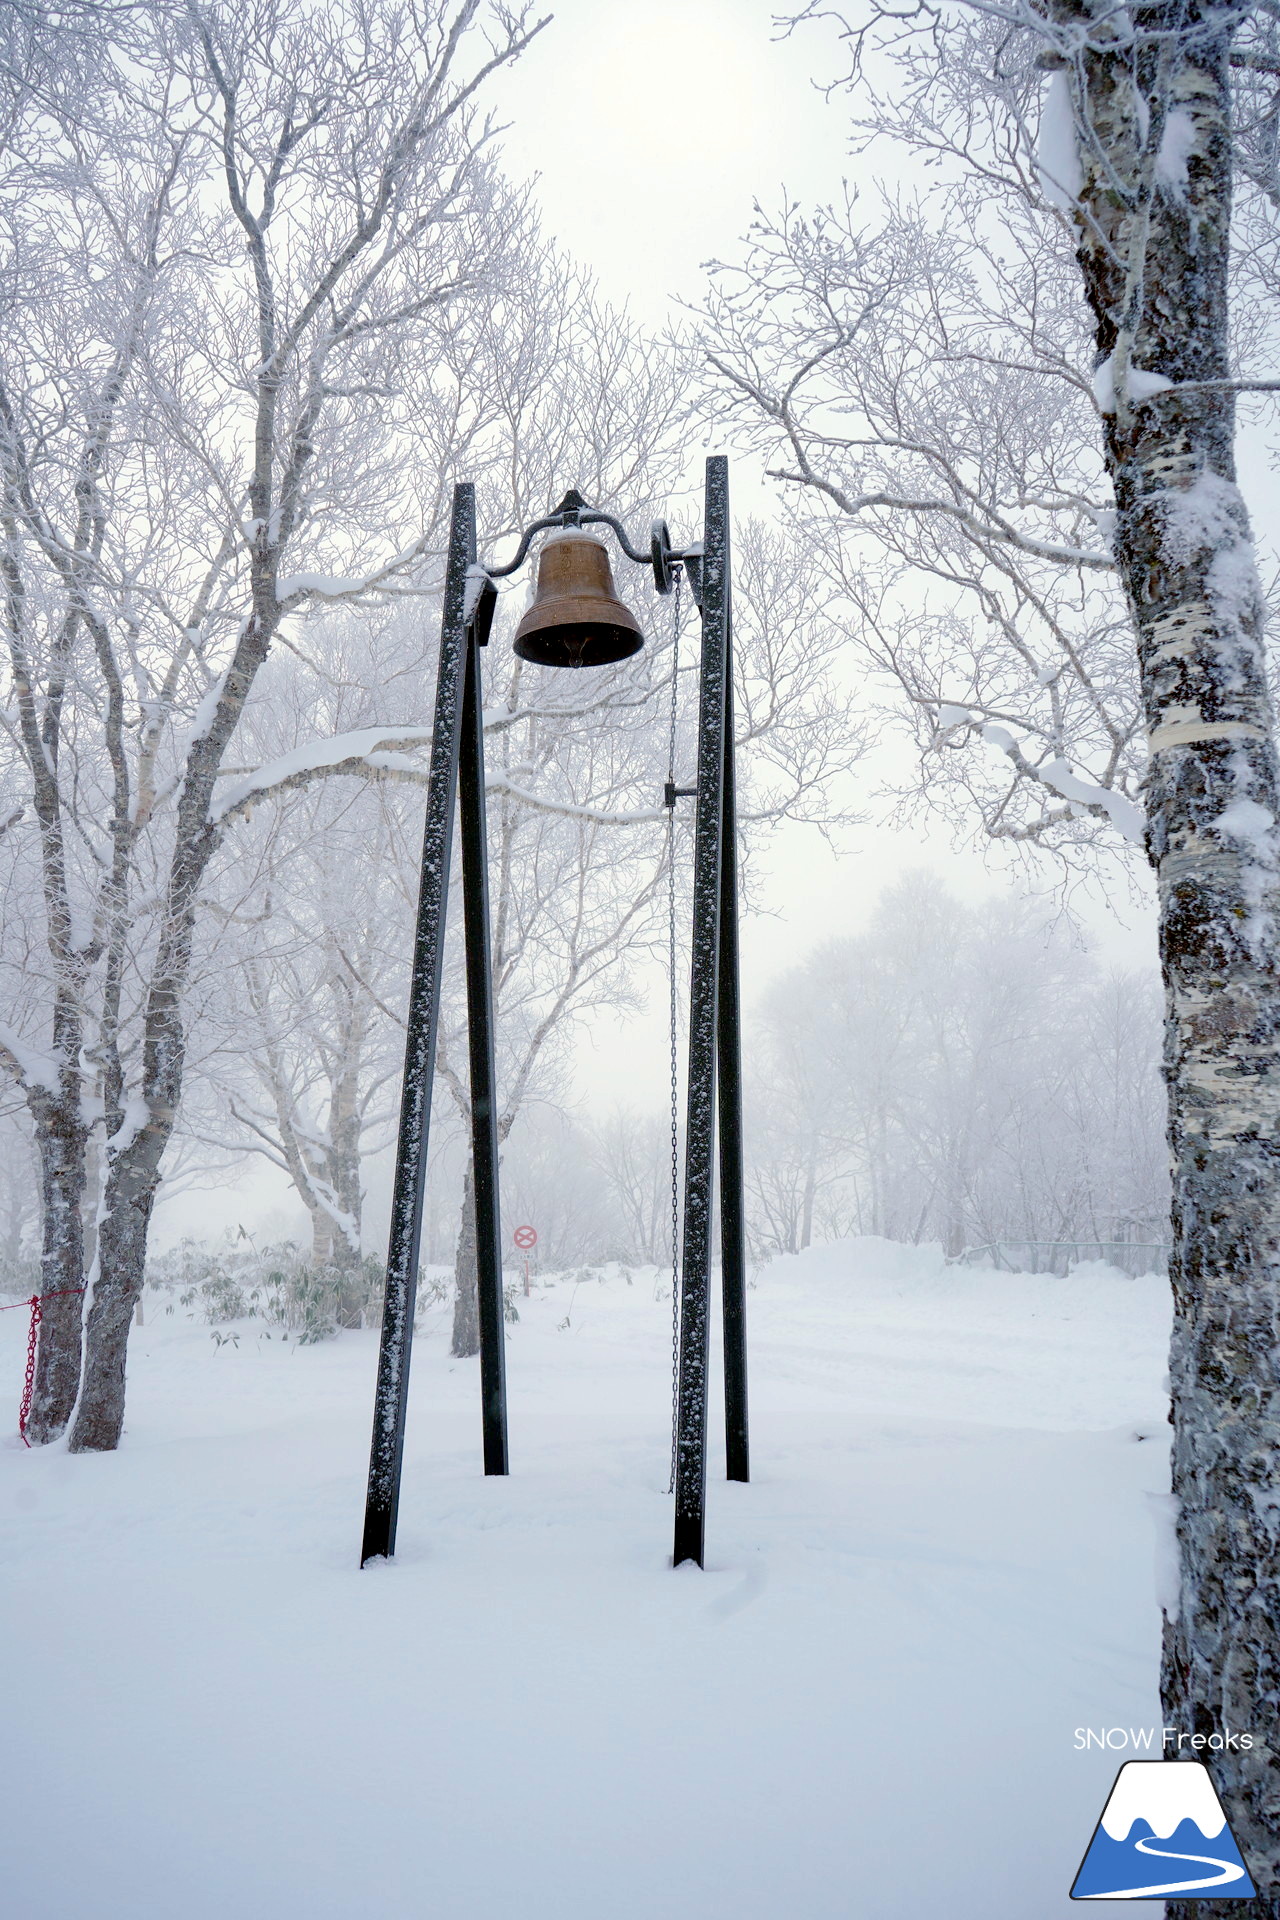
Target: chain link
column 674, row 1054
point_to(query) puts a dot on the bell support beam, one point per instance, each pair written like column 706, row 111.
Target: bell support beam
column 700, row 1122
column 484, row 1098
column 733, row 1245
column 392, row 1391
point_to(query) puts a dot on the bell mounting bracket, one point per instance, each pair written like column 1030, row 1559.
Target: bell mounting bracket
column 574, row 511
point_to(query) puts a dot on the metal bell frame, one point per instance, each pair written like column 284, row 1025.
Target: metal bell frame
column 714, row 1086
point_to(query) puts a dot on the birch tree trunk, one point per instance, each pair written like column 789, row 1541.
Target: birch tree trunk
column 343, row 1156
column 1152, row 117
column 60, row 1136
column 466, row 1299
column 135, row 1150
column 323, row 1160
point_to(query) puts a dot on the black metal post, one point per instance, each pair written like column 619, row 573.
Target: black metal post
column 691, row 1420
column 484, row 1098
column 392, row 1392
column 733, row 1246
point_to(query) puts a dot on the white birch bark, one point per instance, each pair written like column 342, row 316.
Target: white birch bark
column 1153, row 215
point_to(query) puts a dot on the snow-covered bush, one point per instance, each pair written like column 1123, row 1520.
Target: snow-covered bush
column 228, row 1280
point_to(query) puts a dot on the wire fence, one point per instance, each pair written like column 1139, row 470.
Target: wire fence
column 1060, row 1256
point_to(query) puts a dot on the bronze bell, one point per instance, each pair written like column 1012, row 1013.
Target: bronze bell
column 576, row 619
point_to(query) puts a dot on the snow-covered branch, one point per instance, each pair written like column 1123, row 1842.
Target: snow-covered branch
column 26, row 1064
column 378, row 753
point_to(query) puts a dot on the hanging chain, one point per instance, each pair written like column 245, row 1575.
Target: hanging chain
column 674, row 1052
column 34, row 1306
column 29, row 1382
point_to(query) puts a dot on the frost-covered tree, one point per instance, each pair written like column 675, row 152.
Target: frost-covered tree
column 301, row 1062
column 634, row 1153
column 19, row 1201
column 960, row 1074
column 570, row 392
column 1135, row 161
column 237, row 243
column 916, row 375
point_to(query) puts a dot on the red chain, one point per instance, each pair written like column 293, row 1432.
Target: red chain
column 37, row 1314
column 29, row 1386
column 54, row 1293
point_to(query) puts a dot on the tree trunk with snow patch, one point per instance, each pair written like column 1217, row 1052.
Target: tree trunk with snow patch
column 466, row 1299
column 136, row 1147
column 122, row 1254
column 60, row 1138
column 1152, row 111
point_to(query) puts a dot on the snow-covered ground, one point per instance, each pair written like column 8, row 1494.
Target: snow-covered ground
column 865, row 1706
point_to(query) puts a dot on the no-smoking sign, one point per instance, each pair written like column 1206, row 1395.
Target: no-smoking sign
column 525, row 1237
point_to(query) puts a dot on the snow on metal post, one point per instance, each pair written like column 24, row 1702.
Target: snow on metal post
column 391, row 1395
column 484, row 1098
column 695, row 1275
column 733, row 1246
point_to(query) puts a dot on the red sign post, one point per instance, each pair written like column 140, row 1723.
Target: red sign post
column 525, row 1238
